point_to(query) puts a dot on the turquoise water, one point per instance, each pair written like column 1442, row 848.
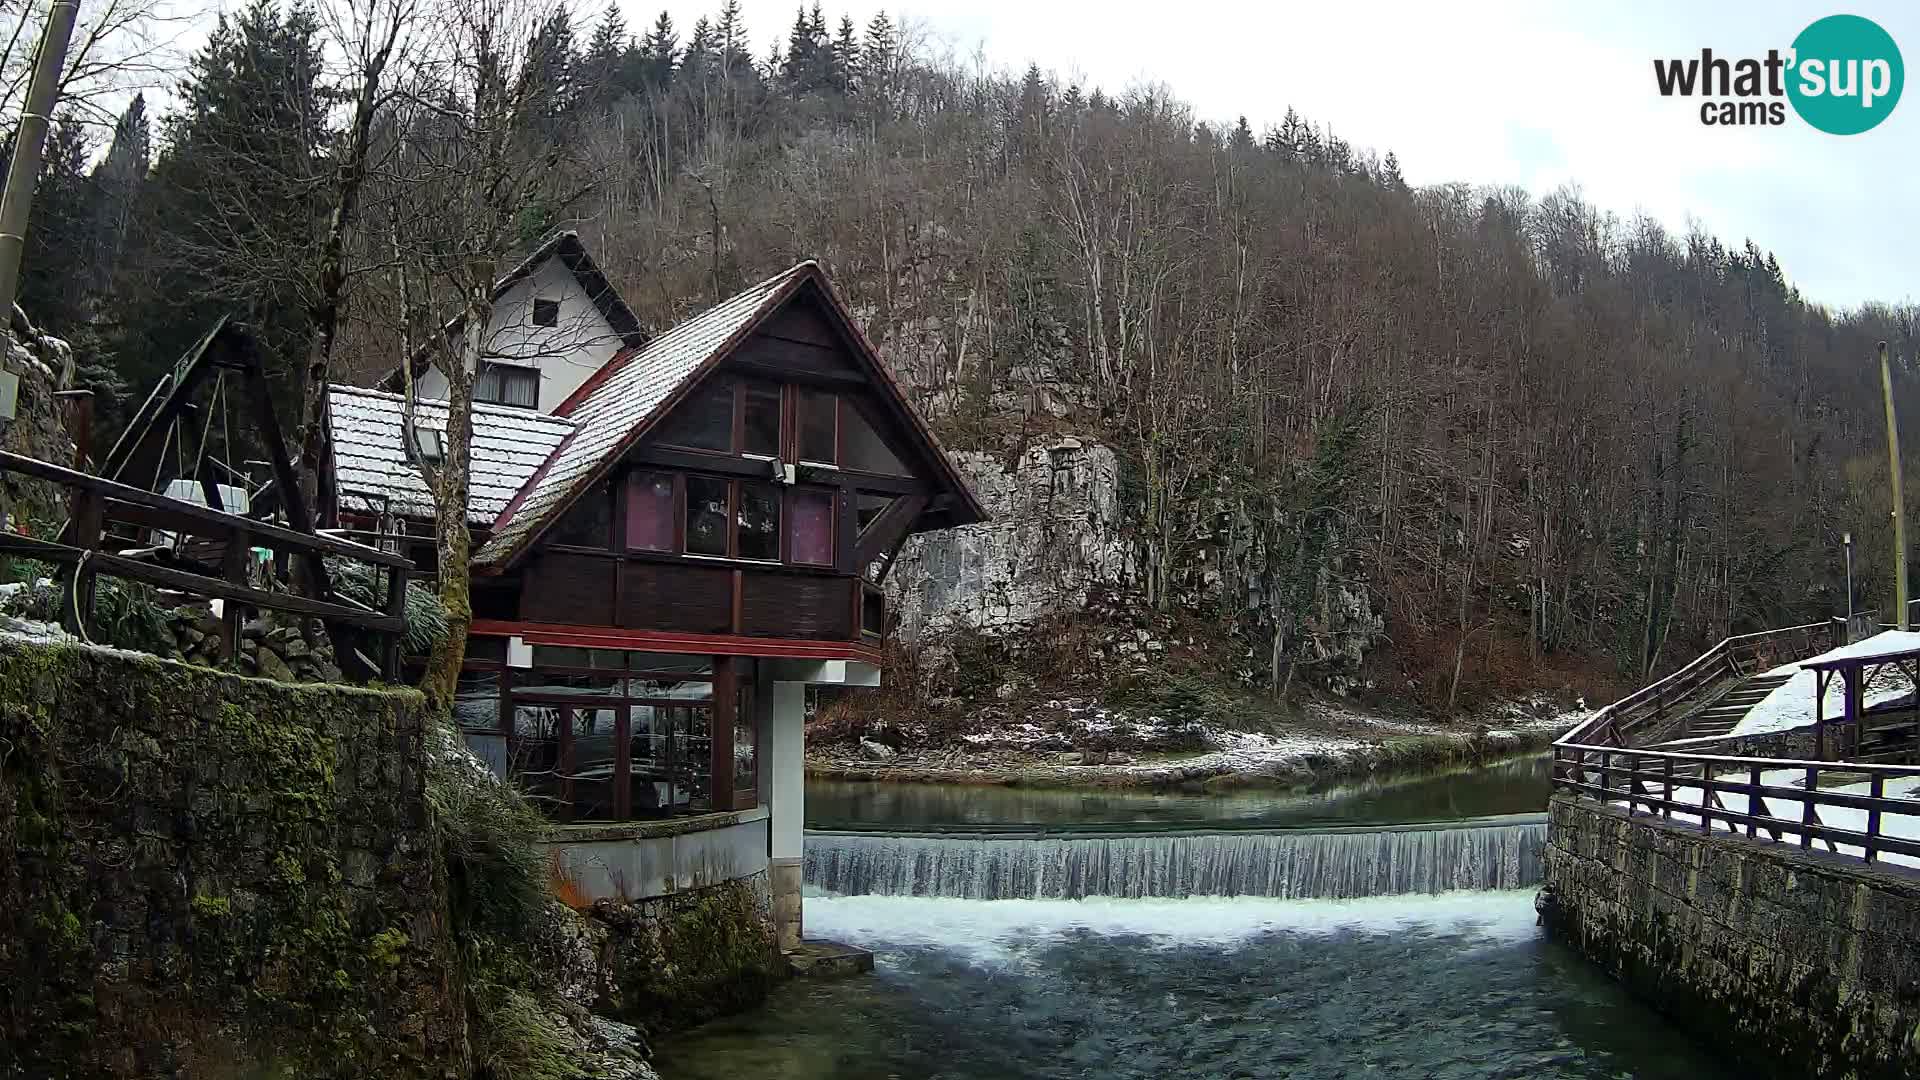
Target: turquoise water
column 1455, row 986
column 1510, row 787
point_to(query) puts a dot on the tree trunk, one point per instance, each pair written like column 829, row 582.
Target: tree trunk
column 324, row 314
column 450, row 499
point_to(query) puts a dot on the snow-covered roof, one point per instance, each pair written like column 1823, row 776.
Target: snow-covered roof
column 371, row 467
column 1790, row 705
column 535, row 466
column 1884, row 644
column 615, row 406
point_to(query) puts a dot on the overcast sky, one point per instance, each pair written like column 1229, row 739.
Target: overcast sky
column 1534, row 94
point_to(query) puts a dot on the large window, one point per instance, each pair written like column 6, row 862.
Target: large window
column 810, row 526
column 609, row 735
column 703, row 421
column 760, row 419
column 505, row 384
column 650, row 516
column 792, row 423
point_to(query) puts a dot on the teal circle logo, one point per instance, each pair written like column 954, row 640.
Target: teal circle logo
column 1847, row 75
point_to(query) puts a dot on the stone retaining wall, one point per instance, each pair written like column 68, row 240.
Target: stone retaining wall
column 1803, row 963
column 207, row 875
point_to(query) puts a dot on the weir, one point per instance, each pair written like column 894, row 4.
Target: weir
column 1026, row 863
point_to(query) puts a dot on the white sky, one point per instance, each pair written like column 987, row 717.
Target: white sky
column 1534, row 94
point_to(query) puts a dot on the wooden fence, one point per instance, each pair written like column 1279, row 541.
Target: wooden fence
column 1732, row 793
column 1601, row 759
column 96, row 502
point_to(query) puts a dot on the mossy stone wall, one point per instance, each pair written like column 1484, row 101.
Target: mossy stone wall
column 207, row 875
column 675, row 961
column 1798, row 963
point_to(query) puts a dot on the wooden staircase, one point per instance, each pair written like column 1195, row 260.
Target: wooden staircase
column 1724, row 713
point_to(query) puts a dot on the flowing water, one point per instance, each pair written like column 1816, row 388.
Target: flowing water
column 1168, row 940
column 1337, row 864
column 1515, row 786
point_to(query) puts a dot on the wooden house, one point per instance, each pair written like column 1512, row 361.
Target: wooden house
column 674, row 534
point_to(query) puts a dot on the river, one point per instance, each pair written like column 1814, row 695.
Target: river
column 1425, row 981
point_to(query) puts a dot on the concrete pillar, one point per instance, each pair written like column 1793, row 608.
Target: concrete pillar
column 786, row 806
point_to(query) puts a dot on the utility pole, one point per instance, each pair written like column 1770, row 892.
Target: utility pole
column 30, row 138
column 1899, row 507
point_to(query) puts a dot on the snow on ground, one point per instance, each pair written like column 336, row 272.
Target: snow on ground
column 1791, row 704
column 1789, row 811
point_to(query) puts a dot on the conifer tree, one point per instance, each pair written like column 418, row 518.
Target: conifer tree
column 701, row 59
column 846, row 57
column 659, row 51
column 54, row 261
column 601, row 65
column 236, row 192
column 118, row 184
column 1241, row 142
column 797, row 66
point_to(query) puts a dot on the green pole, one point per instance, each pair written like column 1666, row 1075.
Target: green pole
column 17, row 200
column 1899, row 508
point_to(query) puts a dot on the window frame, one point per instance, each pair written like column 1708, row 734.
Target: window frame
column 530, row 373
column 729, row 707
column 544, row 304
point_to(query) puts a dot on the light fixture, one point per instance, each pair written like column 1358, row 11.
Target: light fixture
column 9, row 395
column 427, row 441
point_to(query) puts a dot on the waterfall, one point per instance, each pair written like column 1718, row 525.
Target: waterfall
column 1332, row 864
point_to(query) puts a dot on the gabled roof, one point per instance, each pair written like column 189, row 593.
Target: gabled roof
column 371, row 467
column 639, row 386
column 565, row 246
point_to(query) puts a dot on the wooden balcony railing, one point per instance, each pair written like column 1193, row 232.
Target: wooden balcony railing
column 87, row 551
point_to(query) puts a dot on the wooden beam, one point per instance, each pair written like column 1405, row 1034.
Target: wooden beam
column 184, row 581
column 137, row 450
column 889, row 527
column 777, row 373
column 188, row 517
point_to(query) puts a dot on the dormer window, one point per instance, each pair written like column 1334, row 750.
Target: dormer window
column 505, row 384
column 546, row 313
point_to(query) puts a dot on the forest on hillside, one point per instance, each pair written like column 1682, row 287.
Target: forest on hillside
column 1537, row 436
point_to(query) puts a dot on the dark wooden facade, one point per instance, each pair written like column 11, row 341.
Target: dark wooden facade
column 760, row 514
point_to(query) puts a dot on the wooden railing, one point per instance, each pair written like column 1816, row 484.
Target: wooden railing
column 1691, row 687
column 96, row 501
column 1732, row 792
column 1600, row 760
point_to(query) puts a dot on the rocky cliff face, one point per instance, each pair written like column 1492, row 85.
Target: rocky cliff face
column 43, row 365
column 1056, row 538
column 1060, row 543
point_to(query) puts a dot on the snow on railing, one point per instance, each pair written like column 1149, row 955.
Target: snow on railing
column 1867, row 811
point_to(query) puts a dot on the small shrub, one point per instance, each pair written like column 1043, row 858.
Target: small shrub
column 491, row 838
column 426, row 619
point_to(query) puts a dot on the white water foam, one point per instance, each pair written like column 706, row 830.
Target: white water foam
column 1298, row 865
column 993, row 931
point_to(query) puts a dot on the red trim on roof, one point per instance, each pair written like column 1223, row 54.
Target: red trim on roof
column 613, row 637
column 585, row 390
column 506, row 512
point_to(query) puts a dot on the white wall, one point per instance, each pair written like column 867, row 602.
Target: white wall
column 566, row 354
column 605, row 864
